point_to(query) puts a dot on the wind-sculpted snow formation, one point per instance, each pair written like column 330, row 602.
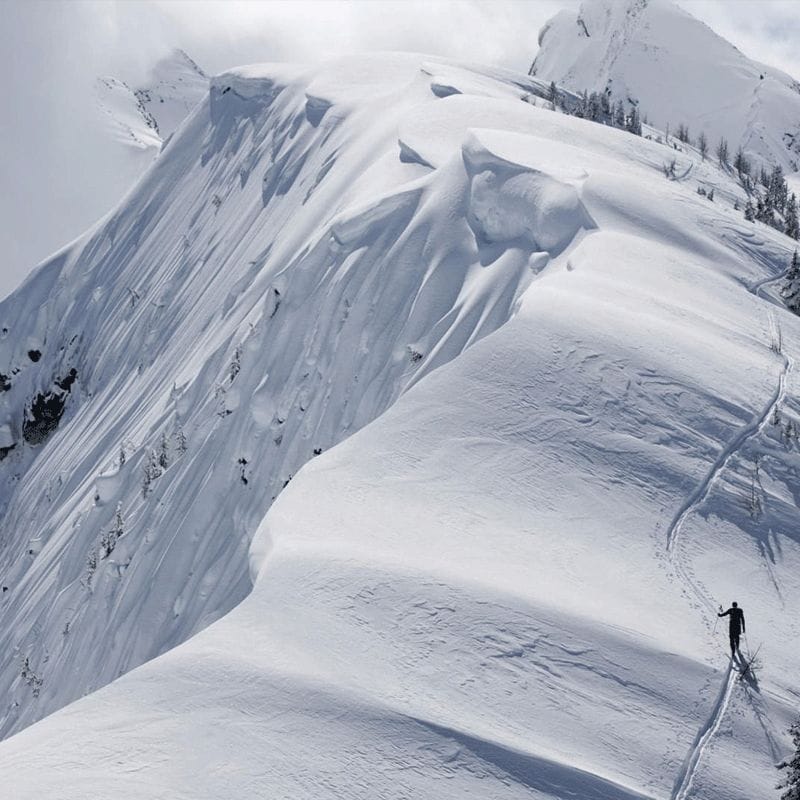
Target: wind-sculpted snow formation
column 679, row 72
column 583, row 434
column 271, row 286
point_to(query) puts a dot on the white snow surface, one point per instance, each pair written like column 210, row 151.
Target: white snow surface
column 555, row 422
column 678, row 70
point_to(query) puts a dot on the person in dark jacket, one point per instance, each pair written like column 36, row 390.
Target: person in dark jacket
column 736, row 625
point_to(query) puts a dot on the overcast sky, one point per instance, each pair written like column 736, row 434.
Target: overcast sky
column 59, row 171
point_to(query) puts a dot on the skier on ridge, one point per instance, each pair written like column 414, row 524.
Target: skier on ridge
column 736, row 626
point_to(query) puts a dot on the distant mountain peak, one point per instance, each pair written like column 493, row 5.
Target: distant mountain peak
column 179, row 56
column 143, row 117
column 678, row 70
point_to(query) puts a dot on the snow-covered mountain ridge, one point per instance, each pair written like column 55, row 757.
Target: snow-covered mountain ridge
column 196, row 318
column 679, row 72
column 581, row 440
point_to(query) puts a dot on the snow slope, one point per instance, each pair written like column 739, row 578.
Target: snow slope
column 678, row 70
column 273, row 284
column 502, row 587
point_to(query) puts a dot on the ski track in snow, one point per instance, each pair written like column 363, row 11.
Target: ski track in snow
column 686, row 776
column 683, row 782
column 720, row 463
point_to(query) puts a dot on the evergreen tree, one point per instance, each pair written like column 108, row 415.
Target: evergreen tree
column 605, row 104
column 180, row 441
column 163, row 452
column 620, row 119
column 792, row 222
column 554, row 95
column 594, row 108
column 619, row 114
column 791, row 782
column 778, row 191
column 741, row 164
column 772, row 204
column 583, row 106
column 702, row 144
column 683, row 132
column 151, row 471
column 634, row 122
column 109, row 539
column 764, row 210
column 236, row 363
column 790, row 291
column 722, row 152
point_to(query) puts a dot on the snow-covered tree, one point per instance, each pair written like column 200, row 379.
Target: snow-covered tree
column 764, row 212
column 108, row 540
column 180, row 441
column 778, row 191
column 236, row 363
column 792, row 223
column 151, row 471
column 583, row 106
column 163, row 452
column 619, row 115
column 741, row 164
column 790, row 291
column 722, row 152
column 683, row 132
column 634, row 121
column 791, row 781
column 30, row 677
column 702, row 144
column 91, row 566
column 605, row 104
column 591, row 107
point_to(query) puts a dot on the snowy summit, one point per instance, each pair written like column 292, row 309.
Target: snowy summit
column 144, row 118
column 678, row 71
